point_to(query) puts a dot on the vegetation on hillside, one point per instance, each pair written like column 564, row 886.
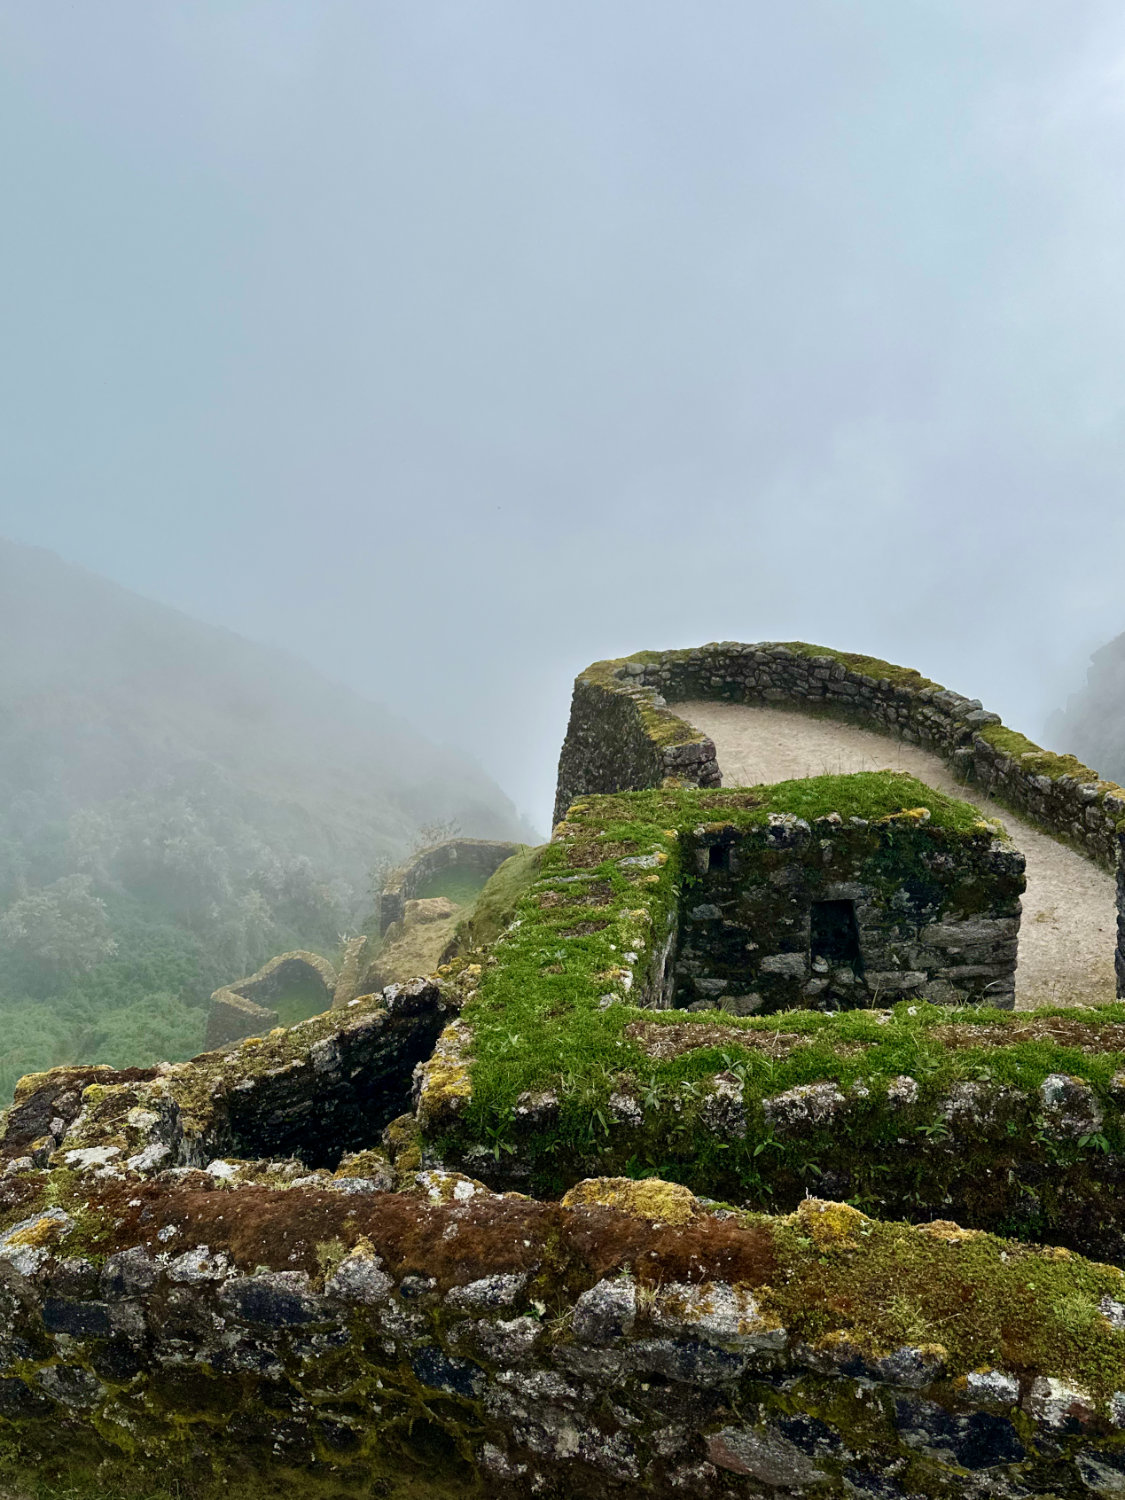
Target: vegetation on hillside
column 176, row 806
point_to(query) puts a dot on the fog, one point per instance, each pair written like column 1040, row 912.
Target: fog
column 453, row 346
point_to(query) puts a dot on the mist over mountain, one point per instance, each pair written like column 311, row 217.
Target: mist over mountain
column 106, row 694
column 178, row 803
column 1092, row 726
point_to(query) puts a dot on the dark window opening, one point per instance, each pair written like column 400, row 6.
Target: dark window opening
column 718, row 857
column 834, row 932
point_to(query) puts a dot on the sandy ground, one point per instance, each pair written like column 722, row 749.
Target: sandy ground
column 1069, row 910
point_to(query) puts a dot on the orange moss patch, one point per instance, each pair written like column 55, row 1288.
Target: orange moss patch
column 282, row 1228
column 18, row 1193
column 455, row 1242
column 707, row 1249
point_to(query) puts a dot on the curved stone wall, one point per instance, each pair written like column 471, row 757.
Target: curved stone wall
column 481, row 856
column 623, row 735
column 242, row 1009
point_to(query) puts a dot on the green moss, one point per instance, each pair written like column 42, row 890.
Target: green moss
column 857, row 1048
column 589, row 930
column 455, row 883
column 495, row 906
column 867, row 666
column 661, row 726
column 987, row 1302
column 1034, row 758
column 294, row 1007
column 664, row 728
column 871, row 795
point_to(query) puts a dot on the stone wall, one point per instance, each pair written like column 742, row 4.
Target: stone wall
column 232, row 1017
column 623, row 734
column 315, row 1090
column 602, row 753
column 629, row 1341
column 790, row 915
column 620, row 738
column 987, row 1142
column 242, row 1009
column 482, row 857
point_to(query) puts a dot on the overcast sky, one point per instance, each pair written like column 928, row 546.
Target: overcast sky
column 457, row 343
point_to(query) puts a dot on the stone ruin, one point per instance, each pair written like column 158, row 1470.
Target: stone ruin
column 237, row 1010
column 724, row 1171
column 481, row 857
column 242, row 1009
column 775, row 918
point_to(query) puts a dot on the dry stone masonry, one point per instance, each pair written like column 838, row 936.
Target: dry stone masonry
column 623, row 734
column 242, row 1009
column 836, row 915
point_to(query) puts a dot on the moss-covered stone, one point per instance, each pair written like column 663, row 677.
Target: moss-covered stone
column 630, row 1340
column 552, row 1014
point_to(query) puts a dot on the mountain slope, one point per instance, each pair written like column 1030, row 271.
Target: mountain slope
column 178, row 803
column 104, row 693
column 1092, row 726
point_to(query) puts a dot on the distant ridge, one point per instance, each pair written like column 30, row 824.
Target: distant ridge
column 1092, row 726
column 104, row 693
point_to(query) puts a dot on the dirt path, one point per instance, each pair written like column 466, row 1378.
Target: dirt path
column 1069, row 909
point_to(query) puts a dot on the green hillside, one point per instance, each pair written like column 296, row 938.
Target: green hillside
column 178, row 803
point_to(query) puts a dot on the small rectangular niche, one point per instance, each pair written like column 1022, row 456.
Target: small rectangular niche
column 718, row 857
column 834, row 932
